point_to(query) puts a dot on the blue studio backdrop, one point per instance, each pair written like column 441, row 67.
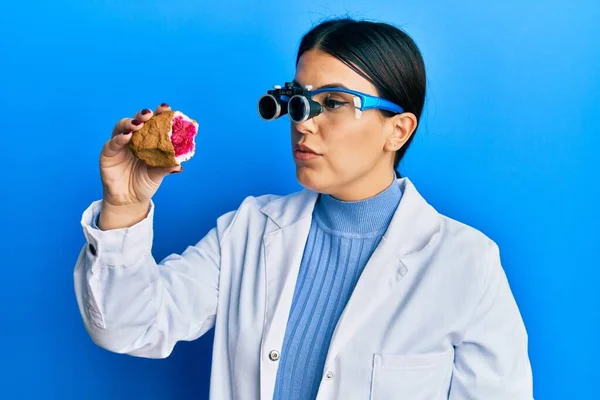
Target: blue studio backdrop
column 507, row 144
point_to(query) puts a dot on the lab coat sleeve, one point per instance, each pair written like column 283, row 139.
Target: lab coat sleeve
column 492, row 361
column 133, row 305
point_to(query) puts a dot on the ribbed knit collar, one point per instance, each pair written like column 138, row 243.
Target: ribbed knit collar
column 363, row 217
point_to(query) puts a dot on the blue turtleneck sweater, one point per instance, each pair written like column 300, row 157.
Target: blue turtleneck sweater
column 342, row 237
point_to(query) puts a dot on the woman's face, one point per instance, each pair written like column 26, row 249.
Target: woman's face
column 354, row 156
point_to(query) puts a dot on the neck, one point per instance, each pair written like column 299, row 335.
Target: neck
column 364, row 188
column 363, row 217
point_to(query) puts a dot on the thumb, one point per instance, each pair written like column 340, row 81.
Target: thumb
column 158, row 173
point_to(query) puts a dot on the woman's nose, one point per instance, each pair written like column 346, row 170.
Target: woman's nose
column 306, row 127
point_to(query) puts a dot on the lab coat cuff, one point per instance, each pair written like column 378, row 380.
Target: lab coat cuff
column 116, row 247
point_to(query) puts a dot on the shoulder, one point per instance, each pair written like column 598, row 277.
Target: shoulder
column 465, row 237
column 249, row 207
column 256, row 203
column 427, row 227
column 468, row 255
column 254, row 211
column 269, row 202
column 456, row 251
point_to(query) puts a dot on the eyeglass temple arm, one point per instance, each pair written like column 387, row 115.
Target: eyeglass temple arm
column 379, row 103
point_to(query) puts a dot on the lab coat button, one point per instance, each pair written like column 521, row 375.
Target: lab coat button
column 92, row 249
column 329, row 375
column 274, row 355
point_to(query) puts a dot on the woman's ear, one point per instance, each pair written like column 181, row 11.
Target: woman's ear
column 401, row 127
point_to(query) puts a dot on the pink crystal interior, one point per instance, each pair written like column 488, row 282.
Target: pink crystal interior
column 182, row 136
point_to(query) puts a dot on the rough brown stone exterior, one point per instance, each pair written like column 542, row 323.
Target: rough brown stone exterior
column 151, row 144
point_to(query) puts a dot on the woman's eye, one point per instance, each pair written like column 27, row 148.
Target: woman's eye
column 331, row 103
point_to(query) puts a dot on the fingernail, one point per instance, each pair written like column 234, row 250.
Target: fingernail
column 126, row 133
column 136, row 122
column 164, row 105
column 176, row 172
column 145, row 111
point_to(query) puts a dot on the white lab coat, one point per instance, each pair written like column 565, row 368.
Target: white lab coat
column 432, row 315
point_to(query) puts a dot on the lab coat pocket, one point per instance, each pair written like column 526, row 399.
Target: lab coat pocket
column 411, row 377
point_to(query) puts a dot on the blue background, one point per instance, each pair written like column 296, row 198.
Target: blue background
column 507, row 145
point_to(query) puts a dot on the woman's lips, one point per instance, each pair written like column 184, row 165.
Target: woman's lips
column 305, row 156
column 303, row 152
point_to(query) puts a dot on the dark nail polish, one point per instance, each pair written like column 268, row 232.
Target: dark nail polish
column 145, row 111
column 126, row 133
column 164, row 105
column 136, row 122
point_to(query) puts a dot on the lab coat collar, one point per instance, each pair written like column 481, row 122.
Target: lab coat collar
column 413, row 223
column 287, row 210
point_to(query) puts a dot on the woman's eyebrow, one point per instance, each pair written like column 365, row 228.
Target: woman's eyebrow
column 334, row 85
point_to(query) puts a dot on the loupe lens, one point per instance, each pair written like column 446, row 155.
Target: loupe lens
column 302, row 108
column 298, row 108
column 270, row 108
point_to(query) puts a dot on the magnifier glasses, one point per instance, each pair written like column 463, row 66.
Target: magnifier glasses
column 290, row 100
column 299, row 104
column 274, row 104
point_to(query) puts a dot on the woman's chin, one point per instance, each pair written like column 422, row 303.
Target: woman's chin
column 310, row 179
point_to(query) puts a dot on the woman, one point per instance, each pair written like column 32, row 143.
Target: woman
column 353, row 288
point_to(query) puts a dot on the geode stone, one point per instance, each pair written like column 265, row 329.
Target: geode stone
column 166, row 140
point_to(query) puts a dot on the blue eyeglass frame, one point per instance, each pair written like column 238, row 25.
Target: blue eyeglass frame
column 367, row 101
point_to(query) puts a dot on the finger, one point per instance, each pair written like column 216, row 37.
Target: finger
column 126, row 125
column 116, row 144
column 144, row 115
column 158, row 173
column 162, row 108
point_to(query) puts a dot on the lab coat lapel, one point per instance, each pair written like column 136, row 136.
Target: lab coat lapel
column 284, row 247
column 284, row 240
column 411, row 228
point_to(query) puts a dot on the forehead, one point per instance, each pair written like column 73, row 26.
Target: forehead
column 317, row 68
